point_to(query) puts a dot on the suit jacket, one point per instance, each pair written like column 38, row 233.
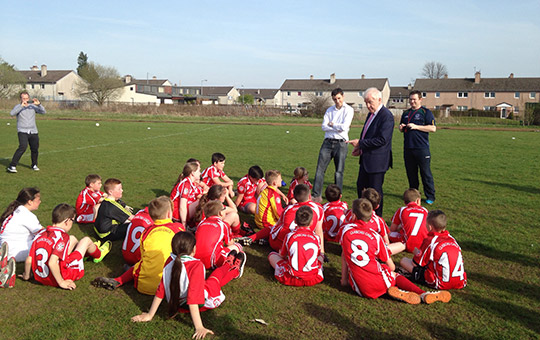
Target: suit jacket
column 377, row 143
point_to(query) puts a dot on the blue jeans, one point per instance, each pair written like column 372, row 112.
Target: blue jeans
column 420, row 159
column 330, row 148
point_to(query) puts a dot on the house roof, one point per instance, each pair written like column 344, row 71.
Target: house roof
column 399, row 91
column 324, row 84
column 260, row 93
column 485, row 84
column 155, row 82
column 216, row 90
column 51, row 76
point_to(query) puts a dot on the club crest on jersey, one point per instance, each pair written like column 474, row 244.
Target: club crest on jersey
column 60, row 246
column 417, row 116
column 186, row 191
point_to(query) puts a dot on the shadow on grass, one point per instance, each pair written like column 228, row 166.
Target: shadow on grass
column 258, row 260
column 159, row 192
column 508, row 311
column 511, row 286
column 328, row 315
column 527, row 189
column 438, row 331
column 498, row 254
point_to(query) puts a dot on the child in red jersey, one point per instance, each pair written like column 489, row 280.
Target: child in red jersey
column 184, row 286
column 56, row 258
column 409, row 222
column 368, row 267
column 334, row 213
column 89, row 199
column 155, row 247
column 438, row 263
column 214, row 174
column 299, row 262
column 214, row 241
column 186, row 193
column 301, row 176
column 246, row 199
column 131, row 250
column 230, row 212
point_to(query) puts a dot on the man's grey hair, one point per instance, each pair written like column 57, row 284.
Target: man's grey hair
column 373, row 92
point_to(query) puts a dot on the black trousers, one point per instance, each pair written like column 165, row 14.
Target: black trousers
column 420, row 159
column 24, row 140
column 373, row 180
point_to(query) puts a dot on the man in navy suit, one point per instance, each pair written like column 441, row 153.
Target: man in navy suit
column 374, row 146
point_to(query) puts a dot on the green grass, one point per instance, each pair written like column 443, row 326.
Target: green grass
column 486, row 182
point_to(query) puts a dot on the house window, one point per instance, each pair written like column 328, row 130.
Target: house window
column 32, row 86
column 532, row 95
column 131, row 88
column 424, row 95
column 318, row 94
column 360, row 106
column 43, row 86
column 360, row 93
column 61, row 94
column 299, row 93
column 516, row 95
column 288, row 93
column 490, row 108
column 489, row 94
column 516, row 109
column 463, row 95
column 462, row 108
column 437, row 95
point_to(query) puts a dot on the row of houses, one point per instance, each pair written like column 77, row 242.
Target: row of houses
column 505, row 95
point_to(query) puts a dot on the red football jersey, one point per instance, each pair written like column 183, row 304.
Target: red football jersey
column 379, row 225
column 294, row 183
column 248, row 189
column 185, row 189
column 363, row 249
column 412, row 218
column 131, row 250
column 286, row 222
column 334, row 215
column 442, row 257
column 50, row 241
column 209, row 173
column 301, row 249
column 86, row 201
column 212, row 233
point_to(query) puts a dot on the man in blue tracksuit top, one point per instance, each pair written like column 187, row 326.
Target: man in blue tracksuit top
column 416, row 124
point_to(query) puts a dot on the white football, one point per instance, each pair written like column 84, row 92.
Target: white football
column 97, row 124
column 287, row 131
column 8, row 123
column 149, row 128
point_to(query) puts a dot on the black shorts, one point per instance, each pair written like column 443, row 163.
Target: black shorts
column 418, row 274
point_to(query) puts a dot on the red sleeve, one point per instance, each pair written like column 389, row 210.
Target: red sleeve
column 195, row 294
column 423, row 257
column 396, row 218
column 160, row 292
column 383, row 250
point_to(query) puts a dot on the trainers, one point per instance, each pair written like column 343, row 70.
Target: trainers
column 403, row 295
column 247, row 229
column 230, row 257
column 245, row 241
column 105, row 248
column 442, row 295
column 11, row 169
column 35, row 168
column 105, row 282
column 263, row 242
column 7, row 275
column 4, row 250
column 240, row 263
column 430, row 202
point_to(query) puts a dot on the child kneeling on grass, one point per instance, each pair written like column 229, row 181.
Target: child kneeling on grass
column 183, row 283
column 299, row 262
column 368, row 267
column 56, row 258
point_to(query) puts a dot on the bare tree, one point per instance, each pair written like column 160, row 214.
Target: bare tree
column 101, row 83
column 318, row 104
column 11, row 80
column 434, row 70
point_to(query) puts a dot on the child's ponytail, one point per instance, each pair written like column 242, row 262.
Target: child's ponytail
column 183, row 243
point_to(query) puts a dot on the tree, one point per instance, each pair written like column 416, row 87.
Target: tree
column 101, row 83
column 11, row 80
column 434, row 70
column 318, row 104
column 246, row 99
column 82, row 61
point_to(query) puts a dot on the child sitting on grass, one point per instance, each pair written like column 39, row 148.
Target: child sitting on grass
column 269, row 206
column 301, row 176
column 367, row 266
column 438, row 263
column 56, row 258
column 184, row 286
column 334, row 213
column 89, row 199
column 214, row 174
column 230, row 212
column 186, row 193
column 113, row 215
column 409, row 223
column 299, row 262
column 246, row 199
column 131, row 248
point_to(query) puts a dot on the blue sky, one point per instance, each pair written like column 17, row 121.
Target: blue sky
column 260, row 44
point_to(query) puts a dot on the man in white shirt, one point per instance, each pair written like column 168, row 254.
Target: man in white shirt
column 336, row 123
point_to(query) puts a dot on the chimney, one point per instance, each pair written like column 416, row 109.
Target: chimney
column 477, row 77
column 259, row 91
column 154, row 77
column 363, row 76
column 127, row 79
column 409, row 87
column 332, row 78
column 446, row 76
column 34, row 68
column 311, row 77
column 43, row 70
column 511, row 76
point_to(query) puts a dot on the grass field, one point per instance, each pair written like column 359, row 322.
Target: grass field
column 487, row 182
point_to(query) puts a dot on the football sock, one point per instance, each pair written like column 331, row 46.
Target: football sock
column 263, row 233
column 126, row 277
column 403, row 283
column 96, row 254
